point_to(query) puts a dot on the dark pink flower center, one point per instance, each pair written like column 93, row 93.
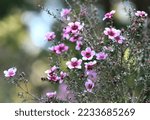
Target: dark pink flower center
column 90, row 86
column 76, row 37
column 108, row 15
column 11, row 73
column 143, row 15
column 111, row 33
column 74, row 27
column 89, row 67
column 117, row 38
column 79, row 45
column 61, row 48
column 74, row 64
column 62, row 76
column 51, row 73
column 102, row 56
column 88, row 54
column 53, row 77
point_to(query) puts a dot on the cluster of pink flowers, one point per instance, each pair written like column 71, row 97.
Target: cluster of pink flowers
column 87, row 55
column 91, row 75
column 11, row 72
column 114, row 35
column 72, row 32
column 141, row 14
column 73, row 29
column 110, row 14
column 58, row 49
column 53, row 76
column 111, row 32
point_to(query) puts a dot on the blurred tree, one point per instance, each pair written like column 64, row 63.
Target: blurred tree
column 6, row 6
column 13, row 34
column 142, row 5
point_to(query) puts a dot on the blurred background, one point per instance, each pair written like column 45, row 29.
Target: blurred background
column 22, row 28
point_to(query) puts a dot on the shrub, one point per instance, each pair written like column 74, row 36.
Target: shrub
column 95, row 60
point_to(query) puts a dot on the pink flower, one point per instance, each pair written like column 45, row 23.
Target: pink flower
column 111, row 32
column 61, row 48
column 75, row 38
column 91, row 74
column 119, row 39
column 141, row 14
column 65, row 12
column 90, row 65
column 89, row 85
column 109, row 15
column 53, row 77
column 11, row 72
column 75, row 27
column 78, row 45
column 74, row 63
column 51, row 70
column 101, row 56
column 87, row 54
column 62, row 76
column 51, row 94
column 49, row 36
column 58, row 49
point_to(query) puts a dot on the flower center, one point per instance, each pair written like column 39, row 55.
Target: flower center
column 61, row 48
column 111, row 33
column 142, row 15
column 108, row 15
column 76, row 37
column 88, row 54
column 74, row 63
column 90, row 86
column 11, row 73
column 102, row 56
column 89, row 67
column 53, row 77
column 74, row 27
